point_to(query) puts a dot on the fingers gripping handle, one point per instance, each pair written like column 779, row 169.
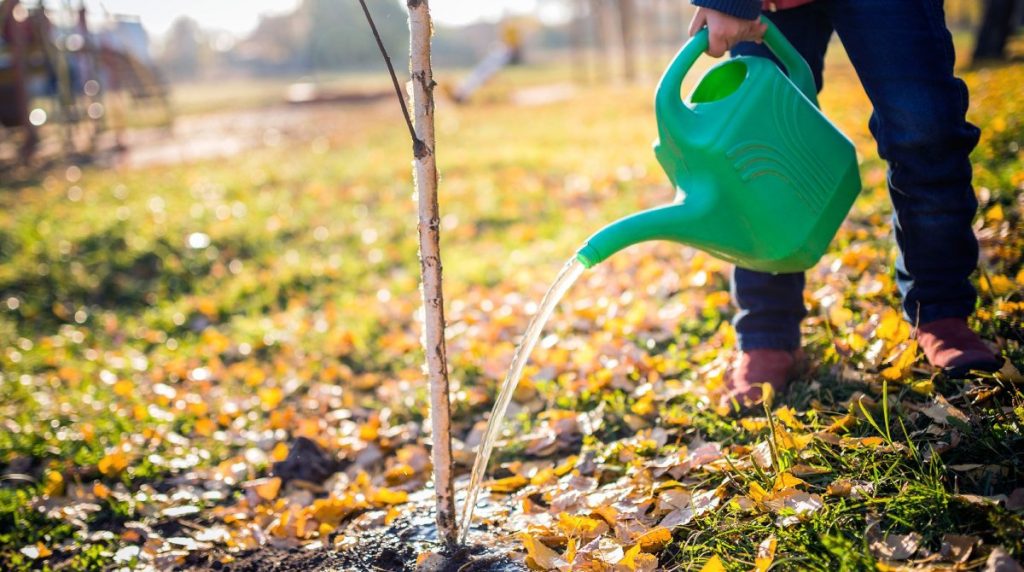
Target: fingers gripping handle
column 668, row 96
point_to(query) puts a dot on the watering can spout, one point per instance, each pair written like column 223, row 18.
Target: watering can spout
column 677, row 222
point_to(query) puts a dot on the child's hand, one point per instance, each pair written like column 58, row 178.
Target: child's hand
column 725, row 31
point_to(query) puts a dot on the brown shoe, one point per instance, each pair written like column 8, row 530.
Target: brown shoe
column 752, row 369
column 950, row 345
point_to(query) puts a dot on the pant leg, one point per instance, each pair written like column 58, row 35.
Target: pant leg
column 771, row 306
column 903, row 53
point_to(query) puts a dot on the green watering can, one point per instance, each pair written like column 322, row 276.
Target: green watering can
column 763, row 179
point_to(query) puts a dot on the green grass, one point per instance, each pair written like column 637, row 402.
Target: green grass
column 116, row 331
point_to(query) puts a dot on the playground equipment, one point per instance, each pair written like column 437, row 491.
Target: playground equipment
column 56, row 69
column 508, row 52
column 763, row 179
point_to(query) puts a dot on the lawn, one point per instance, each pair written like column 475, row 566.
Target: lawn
column 168, row 334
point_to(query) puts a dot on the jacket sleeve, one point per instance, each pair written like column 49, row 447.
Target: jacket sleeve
column 746, row 9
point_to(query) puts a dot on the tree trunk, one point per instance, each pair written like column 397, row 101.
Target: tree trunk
column 602, row 39
column 425, row 175
column 577, row 39
column 627, row 21
column 996, row 26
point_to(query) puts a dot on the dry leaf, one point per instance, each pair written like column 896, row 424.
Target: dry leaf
column 37, row 551
column 896, row 546
column 541, row 556
column 957, row 548
column 1000, row 561
column 765, row 554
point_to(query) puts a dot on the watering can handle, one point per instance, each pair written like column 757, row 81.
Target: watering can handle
column 797, row 68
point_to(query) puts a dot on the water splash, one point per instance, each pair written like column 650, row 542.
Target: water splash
column 566, row 278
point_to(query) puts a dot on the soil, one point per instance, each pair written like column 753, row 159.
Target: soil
column 385, row 552
column 393, row 548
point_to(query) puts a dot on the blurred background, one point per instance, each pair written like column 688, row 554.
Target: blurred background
column 92, row 79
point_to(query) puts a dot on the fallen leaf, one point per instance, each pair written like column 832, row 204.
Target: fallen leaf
column 37, row 551
column 957, row 548
column 385, row 495
column 508, row 484
column 896, row 546
column 942, row 411
column 265, row 489
column 765, row 554
column 53, row 483
column 542, row 556
column 581, row 526
column 714, row 564
column 113, row 463
column 654, row 539
column 1000, row 561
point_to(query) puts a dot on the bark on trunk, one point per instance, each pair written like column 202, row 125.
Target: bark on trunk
column 425, row 175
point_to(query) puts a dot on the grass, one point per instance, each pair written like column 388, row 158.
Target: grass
column 183, row 321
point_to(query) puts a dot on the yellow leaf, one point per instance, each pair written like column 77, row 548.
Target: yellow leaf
column 629, row 559
column 790, row 441
column 570, row 551
column 645, row 405
column 754, row 424
column 332, row 510
column 124, row 388
column 267, row 489
column 385, row 495
column 391, row 515
column 279, row 453
column 997, row 284
column 205, row 427
column 892, row 328
column 654, row 539
column 542, row 556
column 543, row 476
column 713, row 565
column 113, row 463
column 609, row 513
column 788, row 416
column 270, row 397
column 508, row 484
column 567, row 466
column 995, row 214
column 786, row 481
column 580, row 526
column 842, row 424
column 54, row 484
column 757, row 492
column 900, row 366
column 923, row 387
column 765, row 554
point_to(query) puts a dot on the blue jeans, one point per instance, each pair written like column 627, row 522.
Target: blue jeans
column 903, row 54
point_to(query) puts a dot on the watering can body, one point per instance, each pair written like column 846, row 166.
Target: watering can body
column 762, row 178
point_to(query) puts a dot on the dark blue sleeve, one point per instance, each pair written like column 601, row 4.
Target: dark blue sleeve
column 746, row 9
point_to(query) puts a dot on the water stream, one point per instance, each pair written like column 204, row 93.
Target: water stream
column 566, row 278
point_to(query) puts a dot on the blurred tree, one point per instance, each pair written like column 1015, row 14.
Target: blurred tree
column 185, row 48
column 999, row 22
column 337, row 34
column 627, row 25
